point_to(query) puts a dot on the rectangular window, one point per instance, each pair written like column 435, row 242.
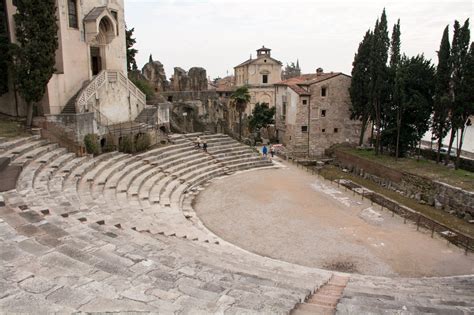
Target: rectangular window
column 323, row 130
column 72, row 12
column 336, row 130
column 305, row 102
column 115, row 15
column 323, row 113
column 283, row 110
column 304, row 128
column 323, row 91
column 265, row 78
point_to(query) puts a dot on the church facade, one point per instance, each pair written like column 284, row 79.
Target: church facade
column 259, row 74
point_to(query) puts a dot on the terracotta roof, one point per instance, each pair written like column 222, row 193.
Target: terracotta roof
column 296, row 83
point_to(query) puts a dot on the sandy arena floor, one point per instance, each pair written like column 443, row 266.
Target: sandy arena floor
column 290, row 215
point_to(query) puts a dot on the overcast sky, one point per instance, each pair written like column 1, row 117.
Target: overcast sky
column 220, row 34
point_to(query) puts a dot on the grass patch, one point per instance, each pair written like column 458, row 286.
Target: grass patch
column 426, row 168
column 332, row 172
column 12, row 129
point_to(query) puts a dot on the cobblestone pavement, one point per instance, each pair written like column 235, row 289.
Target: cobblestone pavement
column 294, row 216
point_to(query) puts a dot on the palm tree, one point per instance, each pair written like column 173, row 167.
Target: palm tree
column 241, row 97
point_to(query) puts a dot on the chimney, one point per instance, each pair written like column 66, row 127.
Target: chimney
column 319, row 71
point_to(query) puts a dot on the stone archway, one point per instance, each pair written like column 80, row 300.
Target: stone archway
column 100, row 28
column 98, row 54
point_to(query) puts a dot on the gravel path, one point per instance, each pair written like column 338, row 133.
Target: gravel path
column 290, row 215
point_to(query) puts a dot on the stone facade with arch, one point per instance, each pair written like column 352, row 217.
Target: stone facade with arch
column 91, row 38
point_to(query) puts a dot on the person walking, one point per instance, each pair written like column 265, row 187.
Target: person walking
column 272, row 152
column 198, row 142
column 264, row 151
column 204, row 145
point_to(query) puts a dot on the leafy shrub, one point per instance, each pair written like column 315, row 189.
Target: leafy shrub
column 126, row 145
column 142, row 142
column 145, row 87
column 91, row 143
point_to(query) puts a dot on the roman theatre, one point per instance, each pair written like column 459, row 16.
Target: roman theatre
column 175, row 230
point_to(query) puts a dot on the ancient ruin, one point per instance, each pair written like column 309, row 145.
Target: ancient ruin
column 130, row 193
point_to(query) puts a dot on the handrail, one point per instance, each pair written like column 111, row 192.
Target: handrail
column 89, row 91
column 107, row 76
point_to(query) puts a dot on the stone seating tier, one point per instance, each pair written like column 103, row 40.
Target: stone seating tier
column 117, row 233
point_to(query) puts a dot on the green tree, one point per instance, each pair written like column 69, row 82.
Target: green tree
column 459, row 105
column 34, row 55
column 262, row 116
column 241, row 98
column 395, row 82
column 465, row 95
column 442, row 97
column 5, row 59
column 131, row 52
column 144, row 86
column 415, row 88
column 379, row 73
column 361, row 108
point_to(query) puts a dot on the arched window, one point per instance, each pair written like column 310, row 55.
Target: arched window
column 72, row 13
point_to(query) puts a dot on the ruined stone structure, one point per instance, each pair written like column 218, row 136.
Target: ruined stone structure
column 260, row 75
column 313, row 113
column 154, row 73
column 193, row 80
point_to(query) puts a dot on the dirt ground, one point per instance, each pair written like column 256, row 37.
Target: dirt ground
column 290, row 215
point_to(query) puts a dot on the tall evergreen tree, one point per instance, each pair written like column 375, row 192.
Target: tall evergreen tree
column 415, row 87
column 459, row 53
column 442, row 98
column 34, row 55
column 464, row 93
column 359, row 91
column 379, row 56
column 395, row 82
column 131, row 52
column 4, row 50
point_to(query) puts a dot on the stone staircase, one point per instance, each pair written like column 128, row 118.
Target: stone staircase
column 325, row 299
column 80, row 234
column 118, row 233
column 375, row 295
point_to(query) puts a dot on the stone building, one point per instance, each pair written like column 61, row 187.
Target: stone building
column 90, row 91
column 260, row 75
column 313, row 113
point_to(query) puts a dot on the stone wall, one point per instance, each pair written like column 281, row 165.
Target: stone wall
column 194, row 80
column 154, row 73
column 439, row 195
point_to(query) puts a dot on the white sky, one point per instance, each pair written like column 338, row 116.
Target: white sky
column 220, row 34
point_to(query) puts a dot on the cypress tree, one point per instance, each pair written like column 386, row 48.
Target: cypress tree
column 442, row 99
column 4, row 50
column 395, row 82
column 359, row 91
column 464, row 88
column 459, row 52
column 131, row 52
column 379, row 56
column 34, row 54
